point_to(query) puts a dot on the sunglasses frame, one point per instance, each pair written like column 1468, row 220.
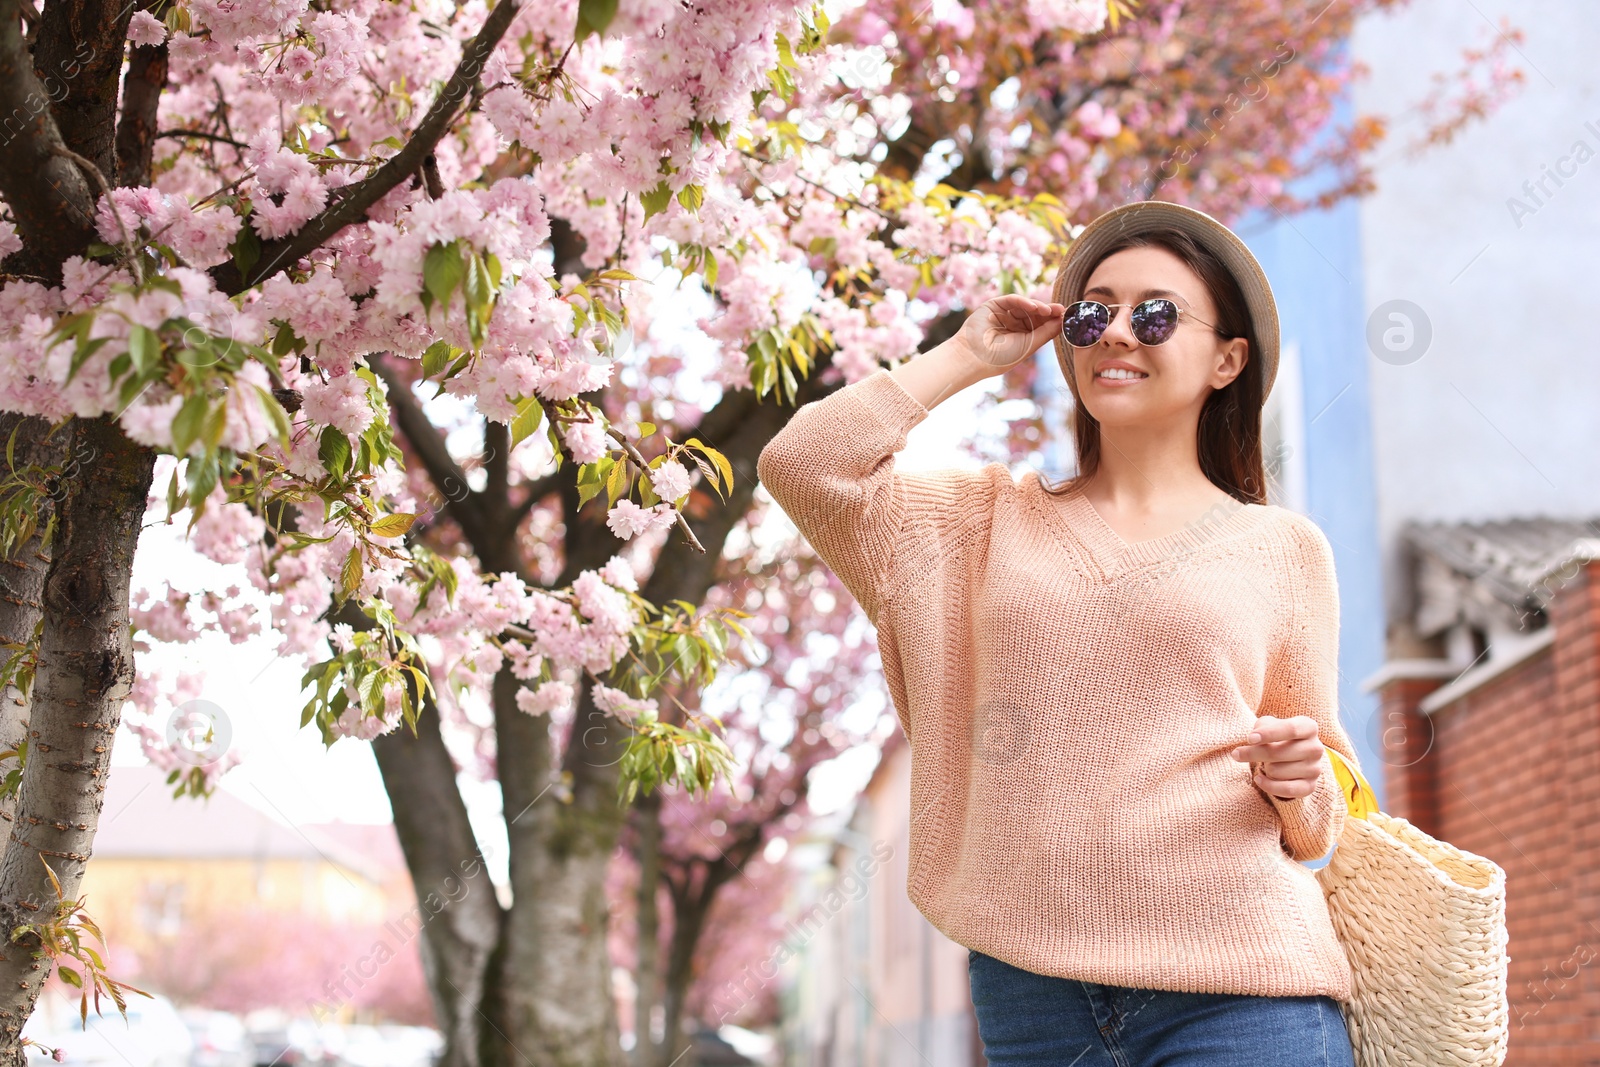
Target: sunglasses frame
column 1113, row 310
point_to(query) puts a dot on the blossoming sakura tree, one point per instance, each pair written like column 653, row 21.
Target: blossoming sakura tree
column 266, row 261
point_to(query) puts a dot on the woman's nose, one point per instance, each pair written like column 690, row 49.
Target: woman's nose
column 1120, row 329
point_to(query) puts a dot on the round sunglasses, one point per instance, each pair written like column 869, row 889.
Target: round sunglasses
column 1154, row 321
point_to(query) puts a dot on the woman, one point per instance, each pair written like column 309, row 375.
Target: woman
column 1116, row 690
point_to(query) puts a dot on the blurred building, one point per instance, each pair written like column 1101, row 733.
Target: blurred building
column 1486, row 475
column 161, row 865
column 871, row 981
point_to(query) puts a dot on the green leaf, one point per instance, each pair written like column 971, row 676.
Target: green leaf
column 437, row 357
column 186, row 425
column 716, row 457
column 333, row 449
column 655, row 201
column 203, row 473
column 691, row 197
column 246, row 249
column 283, row 340
column 350, row 573
column 530, row 413
column 592, row 478
column 215, row 423
column 617, row 483
column 393, row 525
column 442, row 272
column 144, row 348
column 594, row 16
column 477, row 280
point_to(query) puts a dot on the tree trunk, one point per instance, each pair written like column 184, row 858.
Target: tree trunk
column 457, row 909
column 22, row 577
column 554, row 979
column 85, row 673
column 647, row 817
column 692, row 899
column 547, row 994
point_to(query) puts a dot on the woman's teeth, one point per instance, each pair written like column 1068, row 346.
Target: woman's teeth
column 1118, row 372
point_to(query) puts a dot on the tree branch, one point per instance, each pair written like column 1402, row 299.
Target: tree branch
column 353, row 200
column 462, row 503
column 141, row 95
column 48, row 196
column 204, row 136
column 533, row 492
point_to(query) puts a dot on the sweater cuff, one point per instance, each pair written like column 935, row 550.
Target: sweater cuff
column 887, row 401
column 1312, row 823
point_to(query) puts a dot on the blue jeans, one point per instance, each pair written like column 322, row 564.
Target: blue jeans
column 1034, row 1020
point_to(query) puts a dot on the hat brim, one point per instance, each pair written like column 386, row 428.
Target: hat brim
column 1146, row 215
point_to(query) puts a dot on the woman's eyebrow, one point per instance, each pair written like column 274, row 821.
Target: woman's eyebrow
column 1147, row 294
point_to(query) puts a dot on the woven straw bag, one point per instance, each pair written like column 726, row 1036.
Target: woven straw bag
column 1424, row 926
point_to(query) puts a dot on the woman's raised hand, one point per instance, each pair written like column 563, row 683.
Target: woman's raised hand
column 1004, row 330
column 1000, row 332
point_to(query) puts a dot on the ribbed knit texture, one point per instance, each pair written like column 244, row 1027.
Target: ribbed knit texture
column 1071, row 700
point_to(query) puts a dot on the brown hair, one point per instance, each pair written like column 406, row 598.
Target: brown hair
column 1230, row 422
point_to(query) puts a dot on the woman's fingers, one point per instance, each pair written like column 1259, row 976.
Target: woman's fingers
column 1020, row 314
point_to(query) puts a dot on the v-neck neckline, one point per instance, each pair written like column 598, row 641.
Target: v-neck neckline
column 1114, row 554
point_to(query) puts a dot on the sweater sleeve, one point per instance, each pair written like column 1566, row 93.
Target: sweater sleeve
column 1303, row 679
column 831, row 469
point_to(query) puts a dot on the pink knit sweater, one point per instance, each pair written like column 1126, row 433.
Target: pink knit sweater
column 1071, row 700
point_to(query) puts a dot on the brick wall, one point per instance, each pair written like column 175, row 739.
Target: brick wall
column 1511, row 771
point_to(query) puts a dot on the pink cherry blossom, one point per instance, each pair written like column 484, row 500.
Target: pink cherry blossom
column 145, row 29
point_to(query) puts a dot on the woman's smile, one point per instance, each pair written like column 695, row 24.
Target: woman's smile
column 1118, row 374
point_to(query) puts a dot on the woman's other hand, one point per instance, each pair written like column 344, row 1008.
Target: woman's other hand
column 1289, row 752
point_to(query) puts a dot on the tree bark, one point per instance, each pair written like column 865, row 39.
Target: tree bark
column 81, row 43
column 141, row 96
column 461, row 917
column 22, row 581
column 647, row 817
column 49, row 196
column 694, row 887
column 86, row 671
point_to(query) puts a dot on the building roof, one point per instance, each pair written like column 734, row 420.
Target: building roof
column 1497, row 575
column 141, row 818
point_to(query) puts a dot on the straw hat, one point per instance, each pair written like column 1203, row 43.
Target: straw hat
column 1145, row 215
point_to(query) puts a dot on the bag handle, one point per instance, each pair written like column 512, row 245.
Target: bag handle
column 1358, row 795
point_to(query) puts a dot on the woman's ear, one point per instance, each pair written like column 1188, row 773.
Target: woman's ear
column 1231, row 358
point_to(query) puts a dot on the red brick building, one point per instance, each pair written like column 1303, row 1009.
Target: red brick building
column 1489, row 728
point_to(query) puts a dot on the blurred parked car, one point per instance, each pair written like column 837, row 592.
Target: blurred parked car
column 220, row 1039
column 293, row 1044
column 388, row 1046
column 152, row 1035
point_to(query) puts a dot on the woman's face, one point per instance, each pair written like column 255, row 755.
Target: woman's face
column 1170, row 380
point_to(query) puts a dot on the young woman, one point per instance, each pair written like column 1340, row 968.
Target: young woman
column 1117, row 690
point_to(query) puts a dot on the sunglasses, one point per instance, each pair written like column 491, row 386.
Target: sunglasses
column 1154, row 321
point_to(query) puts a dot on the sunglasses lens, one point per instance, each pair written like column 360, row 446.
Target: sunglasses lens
column 1084, row 322
column 1154, row 320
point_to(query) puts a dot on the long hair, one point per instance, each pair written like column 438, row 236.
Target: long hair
column 1229, row 433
